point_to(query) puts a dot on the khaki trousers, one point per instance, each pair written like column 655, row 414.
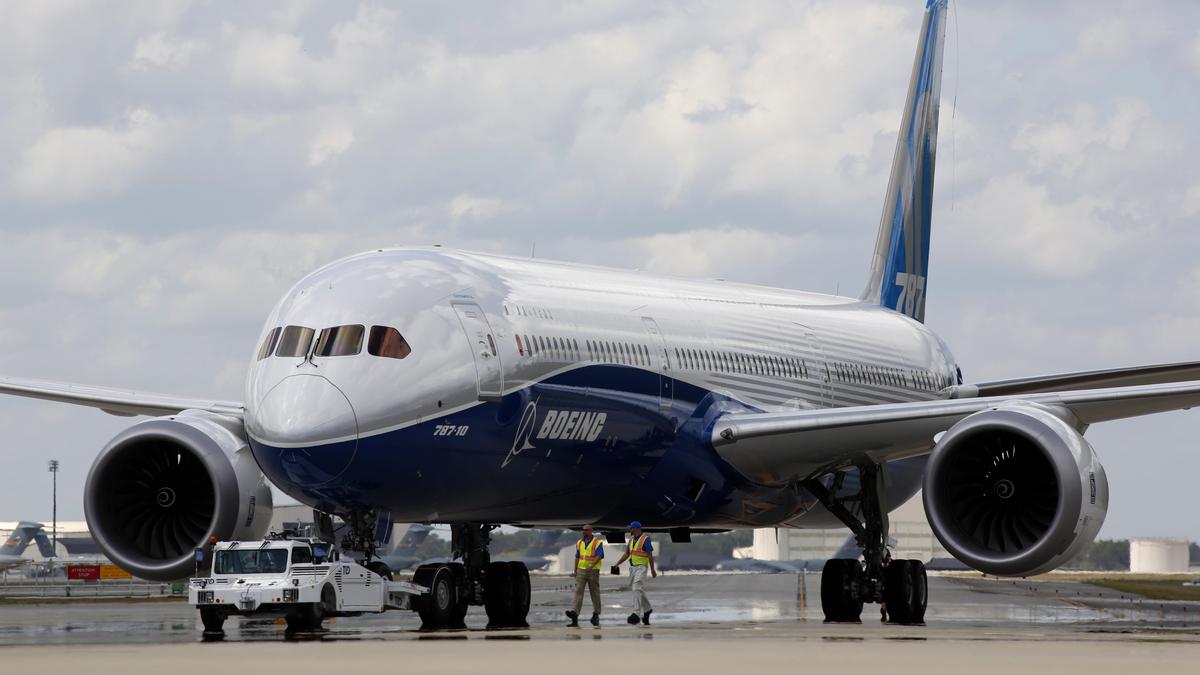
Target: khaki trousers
column 587, row 579
column 637, row 583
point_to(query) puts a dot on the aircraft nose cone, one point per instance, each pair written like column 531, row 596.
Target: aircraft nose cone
column 306, row 428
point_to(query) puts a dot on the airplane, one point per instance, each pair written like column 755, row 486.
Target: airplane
column 433, row 385
column 403, row 555
column 538, row 554
column 11, row 552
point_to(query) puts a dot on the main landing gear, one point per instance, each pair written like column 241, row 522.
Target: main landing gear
column 899, row 586
column 501, row 587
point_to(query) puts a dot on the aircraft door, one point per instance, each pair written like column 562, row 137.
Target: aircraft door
column 818, row 368
column 488, row 368
column 666, row 394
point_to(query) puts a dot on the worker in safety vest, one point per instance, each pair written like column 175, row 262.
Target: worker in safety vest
column 589, row 555
column 640, row 554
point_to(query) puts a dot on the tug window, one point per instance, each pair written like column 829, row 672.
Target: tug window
column 387, row 342
column 294, row 341
column 340, row 341
column 268, row 344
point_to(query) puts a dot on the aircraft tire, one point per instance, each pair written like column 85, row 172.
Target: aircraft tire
column 379, row 567
column 920, row 581
column 462, row 601
column 498, row 595
column 213, row 620
column 436, row 607
column 899, row 591
column 837, row 601
column 519, row 575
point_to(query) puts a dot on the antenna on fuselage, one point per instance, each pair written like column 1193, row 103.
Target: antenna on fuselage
column 533, row 250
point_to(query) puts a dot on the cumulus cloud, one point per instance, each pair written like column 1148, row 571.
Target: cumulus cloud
column 1021, row 221
column 161, row 50
column 1090, row 146
column 77, row 162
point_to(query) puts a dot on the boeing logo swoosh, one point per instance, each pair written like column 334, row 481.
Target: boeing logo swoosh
column 524, row 431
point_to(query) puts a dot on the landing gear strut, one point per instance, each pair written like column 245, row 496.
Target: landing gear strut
column 899, row 586
column 501, row 587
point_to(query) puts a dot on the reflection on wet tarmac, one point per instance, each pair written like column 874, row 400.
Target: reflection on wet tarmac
column 737, row 602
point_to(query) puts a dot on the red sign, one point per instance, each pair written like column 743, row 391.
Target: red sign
column 85, row 572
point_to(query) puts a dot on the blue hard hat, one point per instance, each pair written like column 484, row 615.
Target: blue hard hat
column 635, row 525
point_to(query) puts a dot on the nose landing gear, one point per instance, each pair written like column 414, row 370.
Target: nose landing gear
column 501, row 587
column 899, row 586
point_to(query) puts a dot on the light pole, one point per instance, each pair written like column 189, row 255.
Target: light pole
column 54, row 507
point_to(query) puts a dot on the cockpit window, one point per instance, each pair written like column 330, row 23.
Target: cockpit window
column 294, row 341
column 268, row 344
column 340, row 341
column 387, row 342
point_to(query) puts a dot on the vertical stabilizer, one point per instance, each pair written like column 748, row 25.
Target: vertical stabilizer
column 899, row 266
column 20, row 538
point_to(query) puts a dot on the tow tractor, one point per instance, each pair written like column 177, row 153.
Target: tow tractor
column 303, row 580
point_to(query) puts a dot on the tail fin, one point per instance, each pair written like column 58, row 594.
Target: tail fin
column 899, row 266
column 413, row 538
column 544, row 542
column 45, row 547
column 19, row 540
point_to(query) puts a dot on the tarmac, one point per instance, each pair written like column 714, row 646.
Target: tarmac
column 703, row 623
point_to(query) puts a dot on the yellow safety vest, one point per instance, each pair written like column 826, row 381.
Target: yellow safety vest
column 637, row 554
column 588, row 558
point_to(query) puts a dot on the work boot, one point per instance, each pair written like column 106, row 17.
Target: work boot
column 634, row 619
column 574, row 617
column 596, row 619
column 646, row 617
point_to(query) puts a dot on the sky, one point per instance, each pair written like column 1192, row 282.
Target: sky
column 168, row 169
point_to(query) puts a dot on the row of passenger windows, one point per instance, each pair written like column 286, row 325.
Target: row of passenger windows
column 568, row 349
column 296, row 341
column 894, row 377
column 738, row 362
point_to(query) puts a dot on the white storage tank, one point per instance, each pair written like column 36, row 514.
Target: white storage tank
column 1158, row 556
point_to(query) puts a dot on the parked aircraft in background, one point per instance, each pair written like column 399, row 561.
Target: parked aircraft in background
column 442, row 386
column 13, row 550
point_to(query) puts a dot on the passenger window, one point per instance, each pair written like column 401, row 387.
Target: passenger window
column 294, row 341
column 340, row 341
column 268, row 344
column 301, row 555
column 387, row 342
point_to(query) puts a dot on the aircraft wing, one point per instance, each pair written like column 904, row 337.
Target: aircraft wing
column 121, row 402
column 1094, row 379
column 779, row 446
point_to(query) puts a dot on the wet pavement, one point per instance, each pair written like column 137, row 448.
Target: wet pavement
column 687, row 607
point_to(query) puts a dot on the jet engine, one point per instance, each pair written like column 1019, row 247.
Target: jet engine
column 1015, row 490
column 162, row 487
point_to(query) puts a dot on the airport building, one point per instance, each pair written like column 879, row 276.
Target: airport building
column 909, row 528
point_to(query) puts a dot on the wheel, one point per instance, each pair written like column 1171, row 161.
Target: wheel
column 212, row 619
column 438, row 605
column 920, row 591
column 458, row 619
column 899, row 592
column 307, row 617
column 839, row 599
column 379, row 567
column 519, row 574
column 498, row 594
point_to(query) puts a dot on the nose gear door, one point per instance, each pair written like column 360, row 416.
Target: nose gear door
column 488, row 369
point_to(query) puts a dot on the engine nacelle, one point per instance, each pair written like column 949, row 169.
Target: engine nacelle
column 1015, row 491
column 162, row 487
